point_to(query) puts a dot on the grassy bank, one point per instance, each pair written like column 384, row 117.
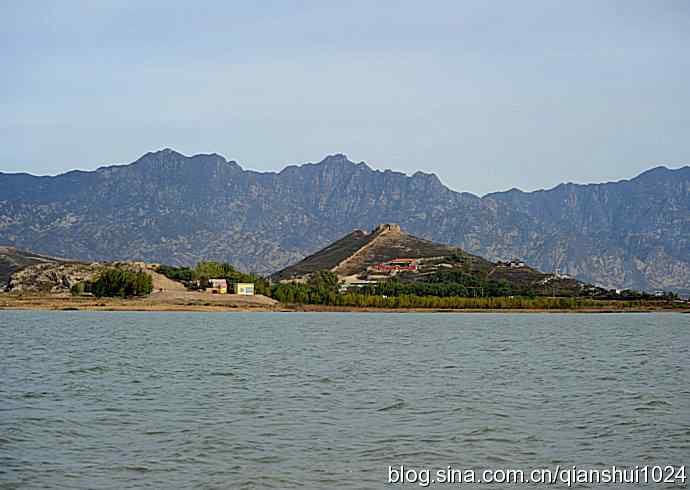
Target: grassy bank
column 491, row 303
column 197, row 301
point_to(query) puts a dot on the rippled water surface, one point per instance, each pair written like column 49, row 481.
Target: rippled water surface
column 191, row 400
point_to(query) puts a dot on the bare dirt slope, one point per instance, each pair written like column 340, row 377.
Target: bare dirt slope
column 389, row 242
column 185, row 297
column 160, row 282
column 329, row 257
column 159, row 301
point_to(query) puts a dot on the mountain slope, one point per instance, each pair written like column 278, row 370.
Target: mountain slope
column 13, row 260
column 358, row 250
column 166, row 207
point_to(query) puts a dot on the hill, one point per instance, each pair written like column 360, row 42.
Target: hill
column 169, row 208
column 353, row 253
column 13, row 260
column 362, row 259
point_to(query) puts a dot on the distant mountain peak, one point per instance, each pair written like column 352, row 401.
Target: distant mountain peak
column 662, row 170
column 163, row 155
column 168, row 158
column 339, row 160
column 431, row 177
column 336, row 158
column 165, row 152
column 169, row 153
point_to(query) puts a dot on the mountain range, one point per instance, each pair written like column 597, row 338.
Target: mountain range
column 170, row 208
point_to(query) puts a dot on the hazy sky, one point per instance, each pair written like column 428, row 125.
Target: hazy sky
column 488, row 95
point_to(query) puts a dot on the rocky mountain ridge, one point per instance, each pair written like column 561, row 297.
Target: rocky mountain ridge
column 169, row 208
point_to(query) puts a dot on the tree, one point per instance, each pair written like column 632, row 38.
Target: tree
column 77, row 289
column 324, row 280
column 182, row 274
column 122, row 283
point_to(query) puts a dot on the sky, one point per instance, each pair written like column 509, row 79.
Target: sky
column 487, row 95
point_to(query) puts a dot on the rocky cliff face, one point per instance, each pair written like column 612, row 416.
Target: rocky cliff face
column 53, row 278
column 59, row 277
column 12, row 260
column 166, row 207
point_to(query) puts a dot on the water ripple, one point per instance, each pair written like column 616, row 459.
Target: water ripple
column 176, row 400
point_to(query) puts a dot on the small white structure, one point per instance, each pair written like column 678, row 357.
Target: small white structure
column 346, row 286
column 512, row 263
column 245, row 288
column 218, row 286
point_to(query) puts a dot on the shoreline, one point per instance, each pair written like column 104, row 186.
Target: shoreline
column 161, row 303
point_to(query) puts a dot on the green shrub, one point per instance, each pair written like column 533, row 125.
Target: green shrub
column 77, row 289
column 116, row 282
column 182, row 274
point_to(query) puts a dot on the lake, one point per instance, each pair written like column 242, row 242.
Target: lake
column 331, row 400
